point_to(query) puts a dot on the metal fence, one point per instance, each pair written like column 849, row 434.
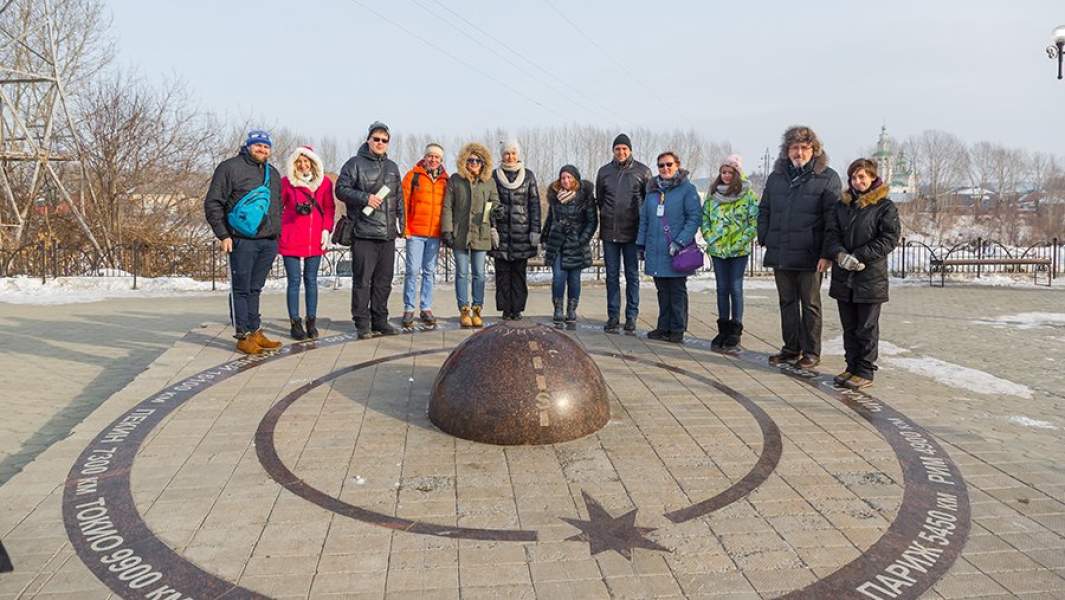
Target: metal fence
column 205, row 262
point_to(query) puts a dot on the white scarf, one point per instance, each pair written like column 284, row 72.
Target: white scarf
column 504, row 181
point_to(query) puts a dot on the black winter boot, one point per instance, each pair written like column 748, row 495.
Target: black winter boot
column 612, row 325
column 571, row 313
column 297, row 331
column 558, row 317
column 722, row 333
column 731, row 342
column 312, row 330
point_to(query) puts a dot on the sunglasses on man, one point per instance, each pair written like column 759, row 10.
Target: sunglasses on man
column 663, row 165
column 379, row 140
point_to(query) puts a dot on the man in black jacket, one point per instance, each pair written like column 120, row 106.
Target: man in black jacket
column 378, row 221
column 620, row 186
column 799, row 195
column 250, row 256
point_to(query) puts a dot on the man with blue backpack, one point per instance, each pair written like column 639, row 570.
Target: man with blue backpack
column 243, row 208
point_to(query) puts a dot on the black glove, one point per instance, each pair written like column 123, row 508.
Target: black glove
column 447, row 239
column 674, row 248
column 639, row 254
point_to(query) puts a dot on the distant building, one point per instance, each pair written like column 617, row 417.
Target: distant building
column 895, row 168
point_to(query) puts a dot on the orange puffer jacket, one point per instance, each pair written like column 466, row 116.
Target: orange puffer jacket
column 423, row 202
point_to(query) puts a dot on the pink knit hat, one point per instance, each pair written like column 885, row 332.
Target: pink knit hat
column 734, row 161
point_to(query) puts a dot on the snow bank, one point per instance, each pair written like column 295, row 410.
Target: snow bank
column 71, row 290
column 1028, row 422
column 1029, row 320
column 960, row 377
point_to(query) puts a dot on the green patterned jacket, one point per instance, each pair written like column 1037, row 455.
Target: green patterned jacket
column 729, row 227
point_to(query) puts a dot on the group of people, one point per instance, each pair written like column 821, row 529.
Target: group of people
column 805, row 219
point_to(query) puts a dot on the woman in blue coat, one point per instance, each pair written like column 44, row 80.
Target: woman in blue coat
column 671, row 195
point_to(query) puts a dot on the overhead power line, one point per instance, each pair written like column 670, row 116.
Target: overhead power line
column 443, row 51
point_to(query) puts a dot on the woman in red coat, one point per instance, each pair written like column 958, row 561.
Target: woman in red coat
column 307, row 211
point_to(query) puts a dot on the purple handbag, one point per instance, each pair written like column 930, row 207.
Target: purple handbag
column 690, row 257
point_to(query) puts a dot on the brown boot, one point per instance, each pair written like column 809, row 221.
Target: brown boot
column 248, row 346
column 857, row 382
column 465, row 321
column 264, row 342
column 476, row 319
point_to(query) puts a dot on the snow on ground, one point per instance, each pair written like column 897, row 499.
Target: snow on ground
column 1029, row 422
column 946, row 373
column 1029, row 320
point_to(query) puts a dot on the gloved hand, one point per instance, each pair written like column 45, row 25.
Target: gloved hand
column 640, row 254
column 849, row 262
column 447, row 239
column 495, row 238
column 534, row 239
column 325, row 238
column 674, row 248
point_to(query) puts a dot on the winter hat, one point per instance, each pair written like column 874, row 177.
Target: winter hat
column 511, row 145
column 377, row 126
column 734, row 161
column 258, row 136
column 572, row 170
column 436, row 149
column 622, row 139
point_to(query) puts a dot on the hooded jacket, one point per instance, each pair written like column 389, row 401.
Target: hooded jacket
column 232, row 180
column 793, row 211
column 301, row 235
column 363, row 175
column 730, row 223
column 867, row 226
column 468, row 202
column 423, row 201
column 682, row 212
column 517, row 215
column 570, row 227
column 619, row 194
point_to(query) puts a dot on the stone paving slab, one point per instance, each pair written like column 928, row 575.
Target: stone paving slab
column 364, row 439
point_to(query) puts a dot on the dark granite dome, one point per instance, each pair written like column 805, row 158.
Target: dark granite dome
column 519, row 383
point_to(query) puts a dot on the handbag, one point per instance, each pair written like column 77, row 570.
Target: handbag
column 690, row 257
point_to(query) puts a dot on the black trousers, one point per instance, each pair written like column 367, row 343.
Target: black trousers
column 672, row 304
column 512, row 289
column 372, row 266
column 799, row 293
column 861, row 335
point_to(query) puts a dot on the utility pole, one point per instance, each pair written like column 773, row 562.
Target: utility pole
column 37, row 134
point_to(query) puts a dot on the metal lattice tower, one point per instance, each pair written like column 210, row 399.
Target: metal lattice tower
column 38, row 144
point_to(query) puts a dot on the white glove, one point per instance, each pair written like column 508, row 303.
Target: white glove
column 495, row 238
column 325, row 238
column 849, row 262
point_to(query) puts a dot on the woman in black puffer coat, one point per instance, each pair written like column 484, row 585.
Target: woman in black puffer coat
column 572, row 219
column 860, row 233
column 515, row 230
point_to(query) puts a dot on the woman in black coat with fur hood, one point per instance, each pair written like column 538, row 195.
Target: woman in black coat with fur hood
column 572, row 219
column 860, row 233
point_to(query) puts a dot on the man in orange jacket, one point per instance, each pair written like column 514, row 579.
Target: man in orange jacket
column 423, row 194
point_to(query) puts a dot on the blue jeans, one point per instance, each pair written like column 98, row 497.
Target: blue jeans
column 420, row 264
column 310, row 283
column 249, row 264
column 561, row 278
column 728, row 273
column 463, row 261
column 614, row 254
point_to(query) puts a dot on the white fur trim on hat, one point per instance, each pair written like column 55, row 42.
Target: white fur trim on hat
column 290, row 168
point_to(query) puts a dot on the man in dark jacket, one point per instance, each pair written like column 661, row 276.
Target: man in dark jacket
column 250, row 256
column 378, row 220
column 620, row 187
column 799, row 195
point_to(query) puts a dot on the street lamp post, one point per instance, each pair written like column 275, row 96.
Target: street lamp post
column 1056, row 49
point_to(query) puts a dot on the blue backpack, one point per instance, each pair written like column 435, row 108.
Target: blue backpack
column 248, row 213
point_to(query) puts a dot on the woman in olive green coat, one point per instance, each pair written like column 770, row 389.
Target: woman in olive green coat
column 466, row 226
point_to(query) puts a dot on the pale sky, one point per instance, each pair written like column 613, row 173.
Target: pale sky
column 734, row 71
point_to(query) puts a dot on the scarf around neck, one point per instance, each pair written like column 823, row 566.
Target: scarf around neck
column 719, row 194
column 564, row 196
column 501, row 175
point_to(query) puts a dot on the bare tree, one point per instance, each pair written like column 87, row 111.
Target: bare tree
column 941, row 160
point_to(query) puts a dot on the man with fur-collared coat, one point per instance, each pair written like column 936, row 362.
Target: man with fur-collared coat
column 799, row 194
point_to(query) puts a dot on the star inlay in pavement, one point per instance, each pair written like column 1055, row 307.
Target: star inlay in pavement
column 604, row 532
